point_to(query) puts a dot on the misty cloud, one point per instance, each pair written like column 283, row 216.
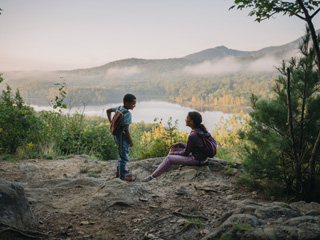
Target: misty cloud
column 233, row 65
column 123, row 72
column 225, row 65
column 266, row 64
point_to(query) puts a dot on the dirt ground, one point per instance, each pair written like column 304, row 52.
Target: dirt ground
column 78, row 198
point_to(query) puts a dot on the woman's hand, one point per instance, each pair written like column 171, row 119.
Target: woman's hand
column 174, row 145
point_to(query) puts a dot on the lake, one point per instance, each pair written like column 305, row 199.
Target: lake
column 147, row 111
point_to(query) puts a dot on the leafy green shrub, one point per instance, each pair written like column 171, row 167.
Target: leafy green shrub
column 48, row 156
column 97, row 140
column 19, row 124
column 73, row 130
column 53, row 135
column 156, row 143
column 7, row 157
column 230, row 146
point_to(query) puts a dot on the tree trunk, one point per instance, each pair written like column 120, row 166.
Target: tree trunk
column 293, row 141
column 300, row 154
column 316, row 146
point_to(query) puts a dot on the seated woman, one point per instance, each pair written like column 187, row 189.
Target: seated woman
column 192, row 153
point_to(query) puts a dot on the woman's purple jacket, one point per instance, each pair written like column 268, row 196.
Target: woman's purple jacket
column 195, row 145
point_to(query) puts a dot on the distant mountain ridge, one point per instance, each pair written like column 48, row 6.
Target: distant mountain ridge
column 222, row 51
column 211, row 54
column 212, row 78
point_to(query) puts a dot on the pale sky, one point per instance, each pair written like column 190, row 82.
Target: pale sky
column 72, row 34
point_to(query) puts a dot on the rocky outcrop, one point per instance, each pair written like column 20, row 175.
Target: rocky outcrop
column 77, row 197
column 251, row 220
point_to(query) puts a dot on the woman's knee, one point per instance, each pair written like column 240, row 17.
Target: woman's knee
column 170, row 159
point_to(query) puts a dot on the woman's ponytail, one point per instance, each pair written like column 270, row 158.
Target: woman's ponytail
column 202, row 127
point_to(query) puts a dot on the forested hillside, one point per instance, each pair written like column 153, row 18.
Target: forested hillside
column 218, row 78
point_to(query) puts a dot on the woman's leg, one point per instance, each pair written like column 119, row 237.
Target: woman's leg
column 174, row 160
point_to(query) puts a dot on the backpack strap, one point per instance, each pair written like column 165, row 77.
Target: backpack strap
column 204, row 144
column 124, row 112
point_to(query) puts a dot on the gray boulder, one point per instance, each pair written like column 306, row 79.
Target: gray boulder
column 14, row 207
column 118, row 192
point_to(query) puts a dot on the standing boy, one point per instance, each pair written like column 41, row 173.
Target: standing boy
column 123, row 139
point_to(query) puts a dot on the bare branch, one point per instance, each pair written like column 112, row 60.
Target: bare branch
column 315, row 13
column 292, row 12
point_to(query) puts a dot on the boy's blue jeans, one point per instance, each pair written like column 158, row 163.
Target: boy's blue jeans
column 123, row 149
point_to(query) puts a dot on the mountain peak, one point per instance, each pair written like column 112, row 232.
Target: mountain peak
column 221, row 47
column 216, row 53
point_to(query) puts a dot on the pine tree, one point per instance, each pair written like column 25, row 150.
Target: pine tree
column 284, row 129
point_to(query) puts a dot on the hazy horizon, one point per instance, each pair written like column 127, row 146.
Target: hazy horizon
column 44, row 35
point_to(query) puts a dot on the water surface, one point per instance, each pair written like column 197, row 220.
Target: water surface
column 147, row 111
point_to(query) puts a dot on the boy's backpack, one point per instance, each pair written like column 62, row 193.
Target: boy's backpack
column 115, row 126
column 210, row 145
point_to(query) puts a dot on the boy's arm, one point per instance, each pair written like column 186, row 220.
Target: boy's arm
column 126, row 130
column 109, row 111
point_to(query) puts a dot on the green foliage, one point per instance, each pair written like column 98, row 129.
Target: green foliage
column 156, row 143
column 275, row 152
column 249, row 181
column 229, row 171
column 48, row 156
column 230, row 146
column 7, row 157
column 137, row 132
column 53, row 134
column 97, row 140
column 73, row 133
column 202, row 92
column 19, row 125
column 70, row 134
column 263, row 9
column 50, row 133
column 58, row 101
